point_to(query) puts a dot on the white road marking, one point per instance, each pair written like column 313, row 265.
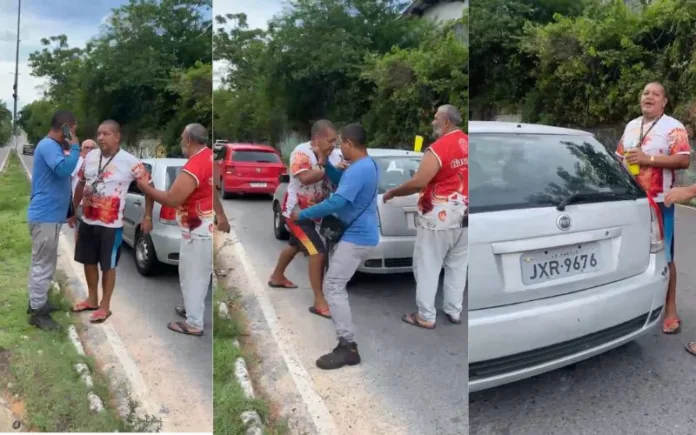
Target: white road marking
column 323, row 420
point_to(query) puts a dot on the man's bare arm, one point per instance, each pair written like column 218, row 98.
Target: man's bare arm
column 311, row 176
column 79, row 193
column 181, row 189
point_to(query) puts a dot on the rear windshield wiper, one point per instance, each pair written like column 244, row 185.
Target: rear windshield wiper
column 602, row 196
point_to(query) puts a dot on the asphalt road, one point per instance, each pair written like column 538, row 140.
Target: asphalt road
column 645, row 387
column 411, row 380
column 177, row 369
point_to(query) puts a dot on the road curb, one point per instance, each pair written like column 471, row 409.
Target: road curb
column 126, row 384
column 250, row 418
column 5, row 160
column 281, row 375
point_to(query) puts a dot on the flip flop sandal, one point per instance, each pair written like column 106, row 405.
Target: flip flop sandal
column 691, row 348
column 453, row 320
column 83, row 306
column 285, row 284
column 183, row 329
column 100, row 316
column 180, row 311
column 325, row 313
column 413, row 319
column 668, row 326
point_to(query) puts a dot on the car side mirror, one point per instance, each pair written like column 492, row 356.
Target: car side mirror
column 284, row 178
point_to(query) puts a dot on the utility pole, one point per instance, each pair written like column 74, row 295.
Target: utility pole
column 15, row 94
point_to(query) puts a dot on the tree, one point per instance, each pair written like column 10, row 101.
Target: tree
column 159, row 39
column 35, row 119
column 5, row 124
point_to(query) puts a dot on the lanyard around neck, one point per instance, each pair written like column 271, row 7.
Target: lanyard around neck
column 642, row 135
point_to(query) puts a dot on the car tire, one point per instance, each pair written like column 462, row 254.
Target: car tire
column 144, row 255
column 225, row 194
column 279, row 230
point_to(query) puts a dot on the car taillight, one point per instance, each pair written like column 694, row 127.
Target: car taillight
column 656, row 228
column 167, row 215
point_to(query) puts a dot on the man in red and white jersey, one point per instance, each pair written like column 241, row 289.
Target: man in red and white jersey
column 192, row 195
column 308, row 186
column 442, row 222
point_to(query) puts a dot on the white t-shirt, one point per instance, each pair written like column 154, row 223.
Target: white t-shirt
column 75, row 179
column 105, row 197
column 667, row 137
column 304, row 196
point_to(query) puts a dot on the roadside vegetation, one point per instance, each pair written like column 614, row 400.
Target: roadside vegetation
column 37, row 367
column 228, row 397
column 349, row 61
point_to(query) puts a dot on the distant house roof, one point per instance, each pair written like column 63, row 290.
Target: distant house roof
column 418, row 7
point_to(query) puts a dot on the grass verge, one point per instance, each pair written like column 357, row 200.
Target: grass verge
column 228, row 397
column 38, row 366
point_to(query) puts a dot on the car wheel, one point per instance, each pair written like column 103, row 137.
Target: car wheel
column 225, row 194
column 144, row 255
column 279, row 224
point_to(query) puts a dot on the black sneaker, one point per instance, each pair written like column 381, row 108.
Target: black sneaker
column 345, row 354
column 51, row 308
column 41, row 318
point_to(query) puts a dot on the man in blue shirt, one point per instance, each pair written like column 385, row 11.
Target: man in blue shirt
column 355, row 205
column 49, row 207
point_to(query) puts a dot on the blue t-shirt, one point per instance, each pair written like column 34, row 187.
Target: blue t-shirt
column 358, row 186
column 51, row 189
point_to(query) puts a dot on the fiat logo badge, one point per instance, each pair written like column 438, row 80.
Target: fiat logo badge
column 564, row 223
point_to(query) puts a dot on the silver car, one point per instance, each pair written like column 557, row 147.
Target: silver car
column 567, row 256
column 394, row 253
column 162, row 244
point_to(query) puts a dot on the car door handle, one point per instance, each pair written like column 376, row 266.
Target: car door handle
column 137, row 203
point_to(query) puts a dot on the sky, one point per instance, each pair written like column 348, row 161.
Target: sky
column 80, row 20
column 258, row 12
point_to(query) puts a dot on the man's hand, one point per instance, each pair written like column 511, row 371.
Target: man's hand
column 679, row 194
column 223, row 224
column 636, row 156
column 143, row 183
column 342, row 165
column 72, row 221
column 388, row 195
column 146, row 224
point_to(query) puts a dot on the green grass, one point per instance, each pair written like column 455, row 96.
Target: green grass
column 38, row 364
column 228, row 397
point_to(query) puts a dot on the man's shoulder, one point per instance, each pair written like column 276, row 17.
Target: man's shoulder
column 45, row 142
column 673, row 123
column 304, row 147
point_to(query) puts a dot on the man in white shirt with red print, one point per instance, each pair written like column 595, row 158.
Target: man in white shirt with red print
column 308, row 186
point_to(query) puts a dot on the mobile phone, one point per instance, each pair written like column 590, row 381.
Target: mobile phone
column 66, row 132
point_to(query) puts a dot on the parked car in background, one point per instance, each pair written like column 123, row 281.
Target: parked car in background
column 249, row 169
column 394, row 253
column 567, row 257
column 161, row 246
column 28, row 149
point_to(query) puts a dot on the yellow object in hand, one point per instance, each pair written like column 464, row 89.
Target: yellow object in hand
column 418, row 144
column 634, row 168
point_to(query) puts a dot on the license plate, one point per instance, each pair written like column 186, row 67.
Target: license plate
column 549, row 264
column 258, row 184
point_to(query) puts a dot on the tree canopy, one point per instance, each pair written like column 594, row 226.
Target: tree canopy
column 345, row 60
column 149, row 69
column 585, row 67
column 5, row 124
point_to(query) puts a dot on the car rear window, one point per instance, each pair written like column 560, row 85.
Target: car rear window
column 255, row 157
column 394, row 171
column 517, row 171
column 172, row 173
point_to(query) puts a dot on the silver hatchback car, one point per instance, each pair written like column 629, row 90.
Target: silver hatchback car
column 567, row 255
column 394, row 253
column 161, row 246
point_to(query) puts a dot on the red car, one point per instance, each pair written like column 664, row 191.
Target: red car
column 247, row 168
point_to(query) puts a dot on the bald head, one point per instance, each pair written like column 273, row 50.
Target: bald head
column 113, row 125
column 451, row 113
